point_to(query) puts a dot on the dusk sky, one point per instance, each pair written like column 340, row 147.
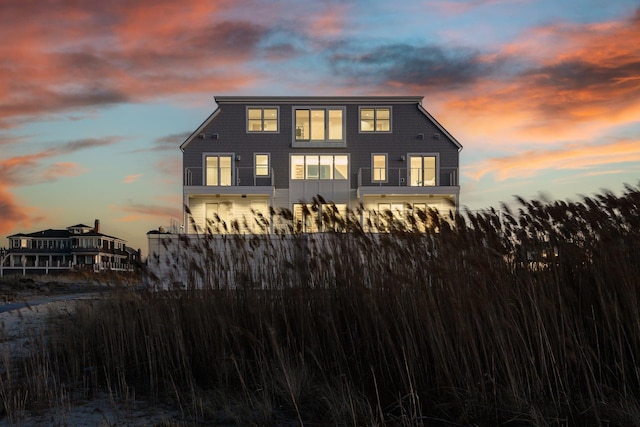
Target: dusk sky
column 97, row 96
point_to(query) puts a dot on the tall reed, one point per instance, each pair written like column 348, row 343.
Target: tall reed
column 527, row 317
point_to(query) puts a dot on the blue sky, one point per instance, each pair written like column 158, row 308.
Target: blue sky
column 96, row 97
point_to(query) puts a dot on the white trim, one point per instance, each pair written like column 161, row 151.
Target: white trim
column 386, row 168
column 375, row 119
column 204, row 168
column 255, row 165
column 440, row 127
column 319, row 143
column 262, row 108
column 200, row 129
column 423, row 155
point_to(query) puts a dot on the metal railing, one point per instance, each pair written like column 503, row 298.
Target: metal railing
column 240, row 177
column 367, row 177
column 403, row 177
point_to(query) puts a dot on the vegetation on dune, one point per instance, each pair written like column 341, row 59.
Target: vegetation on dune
column 496, row 317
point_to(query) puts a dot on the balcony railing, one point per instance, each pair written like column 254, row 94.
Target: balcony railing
column 240, row 176
column 403, row 177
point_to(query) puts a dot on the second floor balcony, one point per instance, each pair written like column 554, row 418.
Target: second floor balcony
column 227, row 180
column 407, row 180
column 369, row 181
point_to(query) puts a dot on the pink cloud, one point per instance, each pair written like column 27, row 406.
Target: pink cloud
column 108, row 54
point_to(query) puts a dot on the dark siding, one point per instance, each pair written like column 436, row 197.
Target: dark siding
column 407, row 122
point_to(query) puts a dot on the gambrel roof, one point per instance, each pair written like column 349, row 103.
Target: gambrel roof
column 319, row 100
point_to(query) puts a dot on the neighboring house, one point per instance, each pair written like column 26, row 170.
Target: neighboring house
column 256, row 153
column 78, row 248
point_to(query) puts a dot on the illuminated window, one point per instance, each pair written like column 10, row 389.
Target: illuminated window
column 218, row 170
column 323, row 167
column 318, row 125
column 262, row 119
column 262, row 165
column 422, row 171
column 211, row 212
column 311, row 219
column 375, row 119
column 379, row 167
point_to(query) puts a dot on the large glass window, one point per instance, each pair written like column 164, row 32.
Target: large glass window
column 422, row 171
column 319, row 124
column 379, row 167
column 325, row 167
column 262, row 119
column 262, row 165
column 308, row 219
column 375, row 119
column 218, row 170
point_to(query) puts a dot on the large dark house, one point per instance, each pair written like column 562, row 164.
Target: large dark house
column 380, row 153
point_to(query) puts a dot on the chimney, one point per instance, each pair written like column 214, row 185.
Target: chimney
column 96, row 226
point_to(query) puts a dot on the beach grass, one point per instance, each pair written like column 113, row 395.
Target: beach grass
column 525, row 316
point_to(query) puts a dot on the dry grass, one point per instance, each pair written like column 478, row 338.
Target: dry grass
column 493, row 318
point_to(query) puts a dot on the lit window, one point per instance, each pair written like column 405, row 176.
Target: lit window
column 319, row 126
column 218, row 170
column 262, row 119
column 422, row 171
column 262, row 165
column 323, row 167
column 375, row 119
column 310, row 219
column 379, row 167
column 211, row 212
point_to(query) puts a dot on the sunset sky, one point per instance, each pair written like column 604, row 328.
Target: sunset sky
column 97, row 96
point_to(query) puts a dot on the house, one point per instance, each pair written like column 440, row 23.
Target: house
column 76, row 248
column 383, row 153
column 254, row 156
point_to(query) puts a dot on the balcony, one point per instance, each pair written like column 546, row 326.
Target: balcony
column 239, row 180
column 406, row 181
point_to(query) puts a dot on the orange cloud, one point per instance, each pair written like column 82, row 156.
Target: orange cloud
column 329, row 22
column 457, row 8
column 570, row 82
column 129, row 218
column 11, row 213
column 62, row 169
column 29, row 169
column 137, row 210
column 131, row 178
column 530, row 163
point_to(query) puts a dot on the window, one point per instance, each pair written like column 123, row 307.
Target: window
column 318, row 125
column 422, row 171
column 325, row 167
column 262, row 119
column 314, row 218
column 262, row 165
column 218, row 170
column 375, row 119
column 211, row 212
column 397, row 209
column 379, row 167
